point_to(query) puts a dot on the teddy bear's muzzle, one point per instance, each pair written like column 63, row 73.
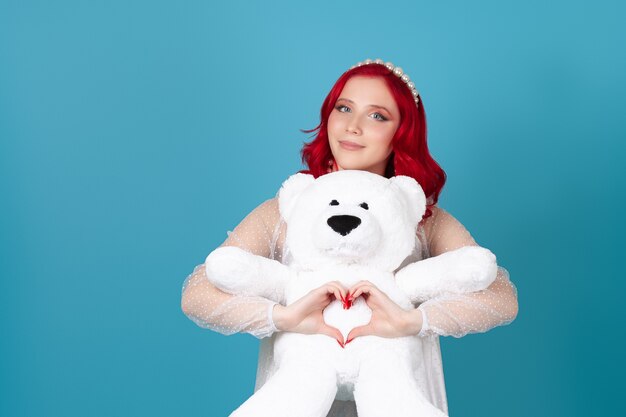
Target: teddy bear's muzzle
column 343, row 224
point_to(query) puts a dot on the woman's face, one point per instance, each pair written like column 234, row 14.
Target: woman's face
column 362, row 124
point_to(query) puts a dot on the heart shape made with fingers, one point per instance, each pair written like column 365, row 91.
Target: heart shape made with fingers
column 347, row 314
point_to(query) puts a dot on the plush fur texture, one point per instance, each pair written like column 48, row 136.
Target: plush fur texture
column 348, row 226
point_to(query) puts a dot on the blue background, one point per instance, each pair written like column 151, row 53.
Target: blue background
column 134, row 134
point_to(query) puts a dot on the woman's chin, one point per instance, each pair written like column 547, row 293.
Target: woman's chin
column 350, row 164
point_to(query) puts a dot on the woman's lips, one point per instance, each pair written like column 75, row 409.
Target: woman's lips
column 351, row 146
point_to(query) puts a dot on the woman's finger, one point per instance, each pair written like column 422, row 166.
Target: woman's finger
column 353, row 289
column 332, row 332
column 324, row 291
column 337, row 294
column 338, row 291
column 359, row 331
column 359, row 285
column 338, row 284
column 364, row 289
column 339, row 287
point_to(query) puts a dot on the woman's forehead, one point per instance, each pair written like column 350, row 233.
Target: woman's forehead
column 365, row 91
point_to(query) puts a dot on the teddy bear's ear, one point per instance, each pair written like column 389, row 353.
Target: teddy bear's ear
column 413, row 194
column 290, row 191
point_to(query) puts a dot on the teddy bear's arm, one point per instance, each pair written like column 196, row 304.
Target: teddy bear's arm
column 463, row 270
column 460, row 314
column 236, row 271
column 211, row 308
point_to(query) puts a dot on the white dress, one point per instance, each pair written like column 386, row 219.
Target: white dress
column 262, row 232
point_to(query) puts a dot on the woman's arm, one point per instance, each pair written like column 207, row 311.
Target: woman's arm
column 458, row 315
column 213, row 309
column 216, row 310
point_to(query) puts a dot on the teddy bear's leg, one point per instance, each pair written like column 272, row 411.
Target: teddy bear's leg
column 303, row 389
column 387, row 387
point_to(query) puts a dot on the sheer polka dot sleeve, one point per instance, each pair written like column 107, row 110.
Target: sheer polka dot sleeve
column 216, row 310
column 457, row 315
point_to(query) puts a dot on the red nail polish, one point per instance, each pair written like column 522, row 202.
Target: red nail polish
column 340, row 344
column 349, row 340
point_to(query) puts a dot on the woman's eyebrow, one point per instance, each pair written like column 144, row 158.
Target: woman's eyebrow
column 369, row 105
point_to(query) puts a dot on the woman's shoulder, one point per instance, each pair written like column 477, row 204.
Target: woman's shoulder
column 427, row 225
column 271, row 204
column 444, row 232
column 267, row 211
column 439, row 221
column 265, row 215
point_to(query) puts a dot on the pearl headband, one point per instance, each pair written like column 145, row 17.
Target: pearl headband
column 397, row 71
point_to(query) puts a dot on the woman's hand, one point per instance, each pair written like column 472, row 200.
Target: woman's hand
column 305, row 315
column 388, row 318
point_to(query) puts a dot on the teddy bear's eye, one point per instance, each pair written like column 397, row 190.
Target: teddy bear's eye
column 365, row 206
column 334, row 203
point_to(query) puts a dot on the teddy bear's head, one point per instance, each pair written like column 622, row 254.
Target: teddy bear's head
column 351, row 216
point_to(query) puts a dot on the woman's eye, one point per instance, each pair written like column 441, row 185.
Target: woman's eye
column 365, row 206
column 334, row 203
column 342, row 108
column 379, row 116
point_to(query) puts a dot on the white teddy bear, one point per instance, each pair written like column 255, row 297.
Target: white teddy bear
column 347, row 226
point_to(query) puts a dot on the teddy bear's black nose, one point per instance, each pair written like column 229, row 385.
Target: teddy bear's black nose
column 343, row 224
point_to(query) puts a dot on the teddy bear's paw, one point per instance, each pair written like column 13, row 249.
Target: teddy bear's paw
column 475, row 266
column 229, row 267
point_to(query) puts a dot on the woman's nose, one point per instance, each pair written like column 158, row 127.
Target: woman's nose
column 353, row 126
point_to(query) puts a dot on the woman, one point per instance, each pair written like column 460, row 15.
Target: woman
column 373, row 119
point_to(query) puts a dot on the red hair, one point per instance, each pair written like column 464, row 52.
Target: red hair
column 410, row 155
